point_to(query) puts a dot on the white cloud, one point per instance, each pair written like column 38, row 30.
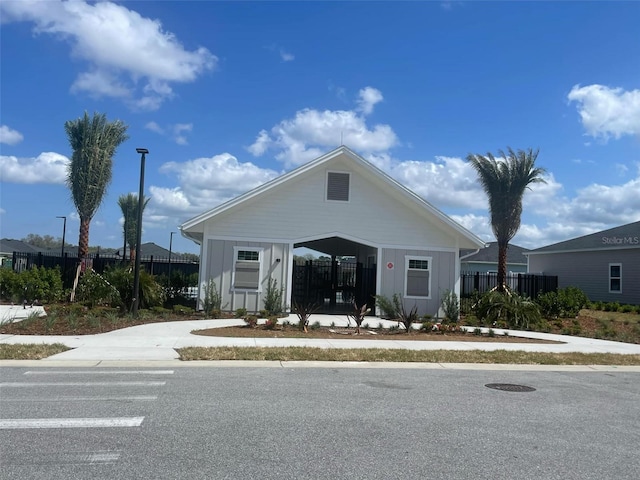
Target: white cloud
column 10, row 136
column 175, row 131
column 154, row 127
column 312, row 132
column 48, row 167
column 206, row 182
column 367, row 98
column 129, row 57
column 286, row 56
column 607, row 112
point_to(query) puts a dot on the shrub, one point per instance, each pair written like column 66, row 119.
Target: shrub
column 94, row 290
column 35, row 284
column 451, row 307
column 627, row 309
column 183, row 310
column 273, row 298
column 426, row 326
column 251, row 321
column 212, row 304
column 240, row 312
column 565, row 303
column 303, row 311
column 121, row 278
column 386, row 306
column 509, row 307
column 271, row 323
column 358, row 314
column 406, row 318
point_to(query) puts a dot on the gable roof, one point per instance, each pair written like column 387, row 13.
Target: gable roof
column 515, row 254
column 9, row 245
column 191, row 227
column 624, row 236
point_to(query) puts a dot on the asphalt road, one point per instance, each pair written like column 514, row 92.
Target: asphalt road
column 308, row 423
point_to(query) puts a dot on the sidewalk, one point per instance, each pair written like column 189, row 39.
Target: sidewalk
column 158, row 341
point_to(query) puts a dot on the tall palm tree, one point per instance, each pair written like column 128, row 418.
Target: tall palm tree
column 129, row 205
column 93, row 142
column 505, row 181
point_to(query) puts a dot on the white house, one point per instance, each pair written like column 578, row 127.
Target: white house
column 341, row 205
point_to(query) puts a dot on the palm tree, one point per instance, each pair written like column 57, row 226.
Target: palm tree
column 93, row 142
column 505, row 181
column 129, row 205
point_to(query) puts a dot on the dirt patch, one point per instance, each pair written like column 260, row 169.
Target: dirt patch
column 288, row 331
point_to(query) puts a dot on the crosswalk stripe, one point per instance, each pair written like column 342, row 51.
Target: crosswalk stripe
column 27, row 423
column 82, row 384
column 135, row 398
column 99, row 372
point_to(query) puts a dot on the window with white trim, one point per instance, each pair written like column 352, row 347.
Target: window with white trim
column 338, row 186
column 417, row 277
column 247, row 268
column 615, row 278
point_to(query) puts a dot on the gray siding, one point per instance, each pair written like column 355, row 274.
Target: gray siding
column 441, row 272
column 589, row 271
column 219, row 268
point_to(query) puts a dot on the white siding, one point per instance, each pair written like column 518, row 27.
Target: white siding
column 300, row 210
column 219, row 268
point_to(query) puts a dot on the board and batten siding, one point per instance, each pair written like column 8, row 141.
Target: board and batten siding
column 219, row 268
column 371, row 213
column 589, row 271
column 442, row 270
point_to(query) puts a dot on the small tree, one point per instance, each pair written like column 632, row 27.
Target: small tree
column 304, row 310
column 212, row 304
column 407, row 319
column 450, row 307
column 273, row 298
column 358, row 314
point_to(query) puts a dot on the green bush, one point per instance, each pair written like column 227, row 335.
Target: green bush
column 35, row 284
column 240, row 312
column 273, row 298
column 451, row 307
column 212, row 304
column 93, row 290
column 387, row 307
column 121, row 278
column 565, row 303
column 509, row 307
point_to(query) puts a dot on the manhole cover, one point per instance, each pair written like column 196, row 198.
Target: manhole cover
column 510, row 387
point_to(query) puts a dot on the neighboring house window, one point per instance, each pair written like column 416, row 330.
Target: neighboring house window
column 417, row 277
column 615, row 278
column 338, row 186
column 246, row 268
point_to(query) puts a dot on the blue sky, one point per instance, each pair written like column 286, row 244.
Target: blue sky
column 228, row 95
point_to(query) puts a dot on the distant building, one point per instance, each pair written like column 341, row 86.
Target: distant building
column 485, row 260
column 605, row 265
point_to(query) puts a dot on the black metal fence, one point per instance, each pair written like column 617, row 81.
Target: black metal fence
column 68, row 264
column 526, row 284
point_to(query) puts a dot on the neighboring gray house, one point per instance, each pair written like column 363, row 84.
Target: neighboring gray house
column 486, row 259
column 341, row 205
column 605, row 265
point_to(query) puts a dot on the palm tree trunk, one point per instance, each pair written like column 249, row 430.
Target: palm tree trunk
column 83, row 240
column 132, row 255
column 502, row 265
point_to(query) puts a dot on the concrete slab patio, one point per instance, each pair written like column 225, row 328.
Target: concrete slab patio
column 158, row 341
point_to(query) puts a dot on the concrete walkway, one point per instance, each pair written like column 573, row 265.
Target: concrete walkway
column 158, row 341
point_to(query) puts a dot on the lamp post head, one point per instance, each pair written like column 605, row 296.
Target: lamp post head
column 142, row 150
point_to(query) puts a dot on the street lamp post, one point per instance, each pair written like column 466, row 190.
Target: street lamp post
column 136, row 275
column 62, row 260
column 170, row 243
column 64, row 231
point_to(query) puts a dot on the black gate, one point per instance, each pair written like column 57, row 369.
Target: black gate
column 334, row 285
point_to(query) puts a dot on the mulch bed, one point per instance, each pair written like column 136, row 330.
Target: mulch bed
column 290, row 331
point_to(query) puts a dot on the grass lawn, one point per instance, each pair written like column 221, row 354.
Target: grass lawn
column 30, row 351
column 402, row 355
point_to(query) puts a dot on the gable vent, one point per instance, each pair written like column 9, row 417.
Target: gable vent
column 338, row 186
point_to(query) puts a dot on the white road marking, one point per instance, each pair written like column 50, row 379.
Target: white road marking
column 25, row 423
column 99, row 372
column 138, row 398
column 81, row 384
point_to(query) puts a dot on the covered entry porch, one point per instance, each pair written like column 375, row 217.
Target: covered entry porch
column 344, row 272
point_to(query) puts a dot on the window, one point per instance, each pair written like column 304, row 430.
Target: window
column 615, row 278
column 246, row 268
column 338, row 186
column 418, row 278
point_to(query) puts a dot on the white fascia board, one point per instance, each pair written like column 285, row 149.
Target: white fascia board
column 583, row 250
